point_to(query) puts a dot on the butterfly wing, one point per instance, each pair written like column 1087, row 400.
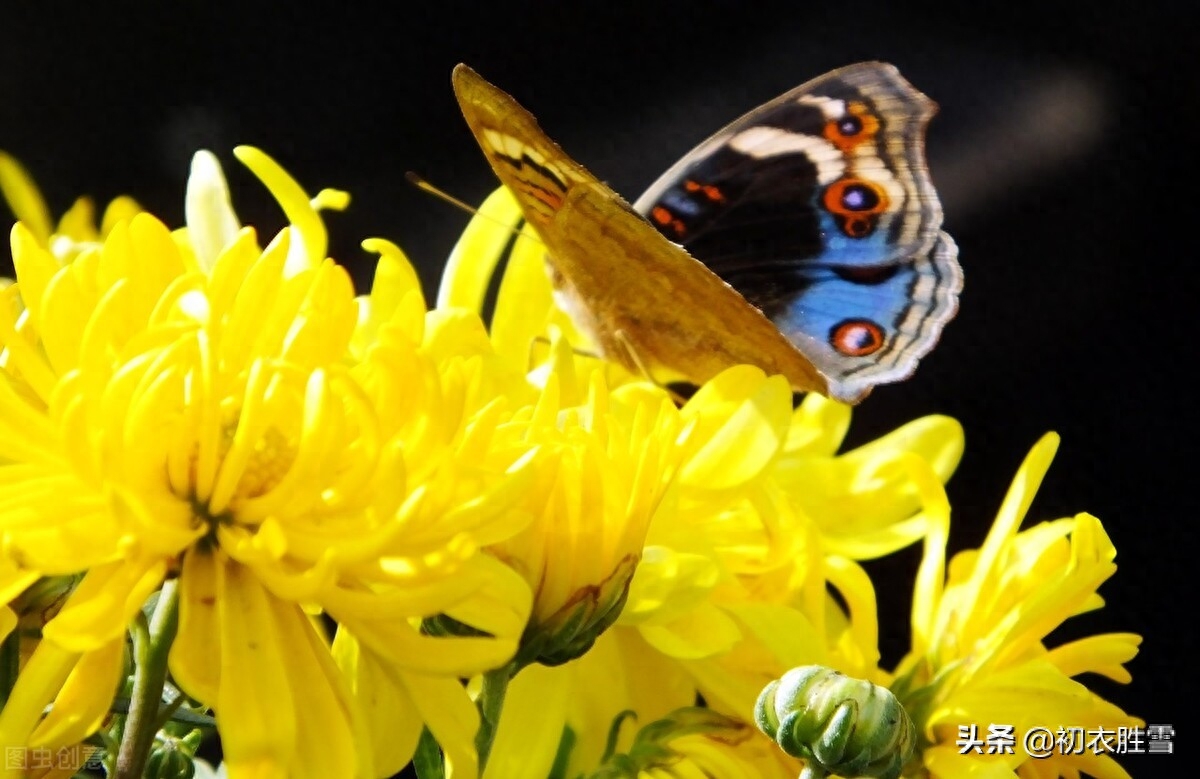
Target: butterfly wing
column 818, row 208
column 643, row 300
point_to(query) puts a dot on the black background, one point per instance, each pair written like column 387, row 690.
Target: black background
column 1060, row 151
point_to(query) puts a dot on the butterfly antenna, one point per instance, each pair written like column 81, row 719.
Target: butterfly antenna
column 423, row 185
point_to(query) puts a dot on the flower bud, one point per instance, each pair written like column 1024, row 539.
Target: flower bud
column 170, row 760
column 837, row 724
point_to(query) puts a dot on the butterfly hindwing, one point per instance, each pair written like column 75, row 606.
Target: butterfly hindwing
column 867, row 326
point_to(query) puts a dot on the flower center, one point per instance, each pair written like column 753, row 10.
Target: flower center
column 269, row 462
column 244, row 472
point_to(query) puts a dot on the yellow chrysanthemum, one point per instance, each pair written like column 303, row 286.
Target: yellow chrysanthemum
column 731, row 587
column 978, row 657
column 731, row 591
column 604, row 461
column 193, row 407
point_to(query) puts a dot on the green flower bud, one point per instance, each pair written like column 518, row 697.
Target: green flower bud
column 837, row 724
column 170, row 759
column 662, row 743
column 569, row 632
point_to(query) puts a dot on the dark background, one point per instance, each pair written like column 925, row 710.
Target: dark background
column 1061, row 152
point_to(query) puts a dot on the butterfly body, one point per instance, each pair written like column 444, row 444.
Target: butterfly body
column 817, row 253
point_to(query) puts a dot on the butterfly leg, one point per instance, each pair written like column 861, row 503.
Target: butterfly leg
column 542, row 340
column 676, row 396
column 630, row 350
column 623, row 338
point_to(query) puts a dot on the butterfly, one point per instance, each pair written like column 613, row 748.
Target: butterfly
column 803, row 238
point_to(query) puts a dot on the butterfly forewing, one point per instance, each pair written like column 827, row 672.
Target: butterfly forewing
column 644, row 301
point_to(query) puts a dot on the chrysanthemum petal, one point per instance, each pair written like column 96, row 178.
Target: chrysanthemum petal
column 14, row 579
column 39, row 681
column 451, row 718
column 937, row 439
column 104, row 603
column 1086, row 764
column 873, row 543
column 945, row 762
column 1016, row 503
column 395, row 295
column 28, row 205
column 256, row 702
column 1059, row 595
column 524, row 301
column 818, row 426
column 79, row 221
column 120, row 209
column 64, row 301
column 1105, row 654
column 391, row 716
column 85, row 699
column 501, row 608
column 296, row 205
column 195, row 658
column 861, row 645
column 864, row 501
column 473, row 259
column 784, row 633
column 212, row 223
column 25, row 435
column 67, row 532
column 22, row 356
column 34, row 264
column 705, row 630
column 1005, row 696
column 930, row 584
column 743, row 420
column 531, row 725
column 327, row 743
column 668, row 583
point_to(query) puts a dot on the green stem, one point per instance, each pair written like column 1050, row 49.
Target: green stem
column 167, row 713
column 490, row 704
column 150, row 650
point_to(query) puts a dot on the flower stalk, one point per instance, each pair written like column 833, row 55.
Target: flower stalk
column 491, row 704
column 151, row 643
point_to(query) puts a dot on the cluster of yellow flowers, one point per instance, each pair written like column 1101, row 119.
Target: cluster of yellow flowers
column 521, row 552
